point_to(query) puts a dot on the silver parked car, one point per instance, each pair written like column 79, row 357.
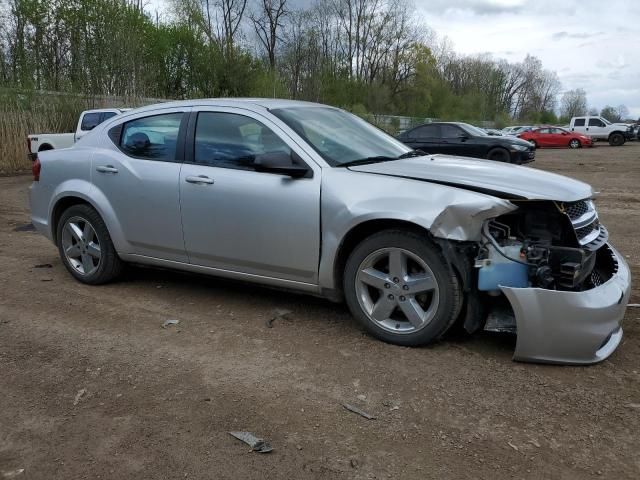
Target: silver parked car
column 311, row 198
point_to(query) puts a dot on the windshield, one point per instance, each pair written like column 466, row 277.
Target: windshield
column 605, row 121
column 340, row 137
column 475, row 131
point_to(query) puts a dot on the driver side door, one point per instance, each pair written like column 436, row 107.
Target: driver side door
column 238, row 219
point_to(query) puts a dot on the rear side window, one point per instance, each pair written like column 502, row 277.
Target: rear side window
column 152, row 138
column 579, row 122
column 107, row 116
column 90, row 121
column 595, row 122
column 425, row 131
column 229, row 140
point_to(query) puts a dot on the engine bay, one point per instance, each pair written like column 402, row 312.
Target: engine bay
column 544, row 244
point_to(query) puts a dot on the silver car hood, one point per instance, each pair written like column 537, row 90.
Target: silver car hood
column 494, row 178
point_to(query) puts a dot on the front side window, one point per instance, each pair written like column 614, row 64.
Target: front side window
column 229, row 140
column 595, row 122
column 340, row 137
column 90, row 121
column 450, row 131
column 153, row 138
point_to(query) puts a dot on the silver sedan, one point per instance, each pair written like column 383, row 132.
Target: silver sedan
column 308, row 197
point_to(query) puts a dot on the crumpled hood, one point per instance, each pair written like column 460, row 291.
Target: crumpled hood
column 494, row 178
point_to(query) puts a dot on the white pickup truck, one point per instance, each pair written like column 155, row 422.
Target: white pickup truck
column 599, row 128
column 88, row 120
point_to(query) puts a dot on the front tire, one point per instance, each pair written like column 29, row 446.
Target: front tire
column 499, row 155
column 399, row 287
column 616, row 139
column 575, row 143
column 85, row 246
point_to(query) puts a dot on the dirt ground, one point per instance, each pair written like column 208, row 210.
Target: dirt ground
column 92, row 386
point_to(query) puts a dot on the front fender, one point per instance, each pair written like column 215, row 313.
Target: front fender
column 350, row 199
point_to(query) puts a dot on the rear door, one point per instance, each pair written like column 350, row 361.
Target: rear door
column 237, row 219
column 579, row 125
column 138, row 176
column 425, row 137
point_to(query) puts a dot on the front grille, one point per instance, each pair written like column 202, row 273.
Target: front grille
column 585, row 231
column 576, row 210
column 584, row 219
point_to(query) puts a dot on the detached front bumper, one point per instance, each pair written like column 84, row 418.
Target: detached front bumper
column 571, row 327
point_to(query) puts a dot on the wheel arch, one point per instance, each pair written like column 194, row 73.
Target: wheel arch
column 45, row 147
column 361, row 231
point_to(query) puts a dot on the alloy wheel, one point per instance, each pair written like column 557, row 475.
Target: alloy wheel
column 81, row 245
column 397, row 290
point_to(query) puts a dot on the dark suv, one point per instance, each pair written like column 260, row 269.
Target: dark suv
column 468, row 141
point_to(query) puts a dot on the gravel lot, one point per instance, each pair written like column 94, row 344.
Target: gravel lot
column 93, row 387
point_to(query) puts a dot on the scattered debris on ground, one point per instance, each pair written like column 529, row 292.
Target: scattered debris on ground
column 168, row 323
column 362, row 413
column 43, row 265
column 257, row 444
column 12, row 473
column 81, row 393
column 27, row 227
column 278, row 313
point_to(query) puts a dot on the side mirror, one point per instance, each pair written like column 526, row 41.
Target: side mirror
column 565, row 133
column 280, row 163
column 463, row 137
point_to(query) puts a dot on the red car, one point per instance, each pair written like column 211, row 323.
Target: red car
column 554, row 137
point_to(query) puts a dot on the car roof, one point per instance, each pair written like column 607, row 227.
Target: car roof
column 268, row 103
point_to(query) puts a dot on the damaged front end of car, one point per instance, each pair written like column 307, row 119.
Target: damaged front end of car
column 546, row 272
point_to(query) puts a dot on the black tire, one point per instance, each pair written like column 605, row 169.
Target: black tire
column 575, row 143
column 109, row 265
column 499, row 155
column 616, row 139
column 449, row 292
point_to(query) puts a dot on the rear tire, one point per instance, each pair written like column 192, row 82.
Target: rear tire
column 499, row 155
column 616, row 139
column 398, row 285
column 575, row 143
column 85, row 246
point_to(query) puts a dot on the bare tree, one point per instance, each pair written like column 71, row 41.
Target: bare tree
column 267, row 23
column 574, row 103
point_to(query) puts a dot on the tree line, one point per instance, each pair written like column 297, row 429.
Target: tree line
column 365, row 55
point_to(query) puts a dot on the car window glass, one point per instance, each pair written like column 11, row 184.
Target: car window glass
column 230, row 140
column 450, row 131
column 425, row 131
column 90, row 121
column 542, row 130
column 107, row 116
column 153, row 138
column 595, row 122
column 579, row 122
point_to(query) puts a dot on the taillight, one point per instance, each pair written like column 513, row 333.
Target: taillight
column 35, row 169
column 28, row 144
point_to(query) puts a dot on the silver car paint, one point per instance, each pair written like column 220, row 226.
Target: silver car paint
column 571, row 327
column 348, row 197
column 519, row 181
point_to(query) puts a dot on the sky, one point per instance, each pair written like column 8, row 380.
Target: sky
column 594, row 45
column 591, row 44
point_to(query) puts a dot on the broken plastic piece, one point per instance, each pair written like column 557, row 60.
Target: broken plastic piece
column 257, row 444
column 362, row 413
column 169, row 323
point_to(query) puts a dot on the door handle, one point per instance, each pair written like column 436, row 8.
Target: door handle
column 107, row 169
column 199, row 180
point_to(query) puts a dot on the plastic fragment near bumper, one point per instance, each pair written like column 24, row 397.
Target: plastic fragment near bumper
column 571, row 327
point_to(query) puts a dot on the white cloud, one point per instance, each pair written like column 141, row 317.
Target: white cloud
column 591, row 44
